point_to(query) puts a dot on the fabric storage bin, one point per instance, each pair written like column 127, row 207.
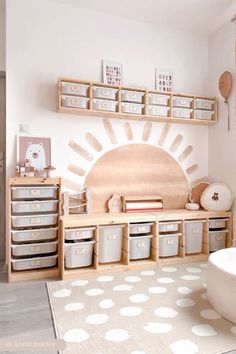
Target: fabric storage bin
column 158, row 111
column 103, row 105
column 34, row 207
column 110, row 243
column 34, row 248
column 33, row 221
column 34, row 192
column 168, row 245
column 200, row 103
column 217, row 223
column 76, row 102
column 78, row 234
column 34, row 263
column 79, row 254
column 216, row 240
column 201, row 114
column 34, row 235
column 181, row 113
column 193, row 236
column 132, row 96
column 74, row 89
column 169, row 226
column 104, row 92
column 131, row 108
column 157, row 99
column 140, row 247
column 144, row 228
column 178, row 101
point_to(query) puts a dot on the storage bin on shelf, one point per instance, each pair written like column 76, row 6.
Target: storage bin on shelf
column 217, row 240
column 34, row 235
column 34, row 206
column 140, row 246
column 169, row 244
column 72, row 88
column 110, row 243
column 201, row 114
column 132, row 96
column 132, row 108
column 171, row 226
column 34, row 249
column 180, row 101
column 75, row 102
column 158, row 111
column 193, row 236
column 34, row 263
column 158, row 99
column 105, row 93
column 140, row 228
column 200, row 103
column 181, row 113
column 104, row 105
column 219, row 223
column 79, row 254
column 34, row 220
column 34, row 192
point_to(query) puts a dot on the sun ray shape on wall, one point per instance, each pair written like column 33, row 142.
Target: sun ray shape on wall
column 93, row 142
column 128, row 131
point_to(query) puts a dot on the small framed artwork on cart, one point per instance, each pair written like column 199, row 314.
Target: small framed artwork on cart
column 112, row 72
column 164, row 80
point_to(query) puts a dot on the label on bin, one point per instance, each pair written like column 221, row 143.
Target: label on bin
column 111, row 237
column 35, row 206
column 80, row 250
column 35, row 221
column 35, row 192
column 35, row 263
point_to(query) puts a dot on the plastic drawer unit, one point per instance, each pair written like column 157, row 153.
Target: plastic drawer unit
column 110, row 243
column 158, row 111
column 141, row 228
column 79, row 254
column 132, row 108
column 79, row 233
column 217, row 223
column 34, row 192
column 34, row 263
column 75, row 102
column 157, row 99
column 171, row 226
column 132, row 96
column 193, row 236
column 200, row 103
column 169, row 245
column 105, row 93
column 104, row 105
column 71, row 88
column 140, row 247
column 34, row 235
column 217, row 240
column 182, row 113
column 179, row 101
column 34, row 220
column 201, row 114
column 34, row 207
column 34, row 249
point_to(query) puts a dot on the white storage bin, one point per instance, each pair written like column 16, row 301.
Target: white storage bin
column 34, row 248
column 132, row 108
column 144, row 228
column 132, row 96
column 217, row 223
column 110, row 243
column 200, row 103
column 216, row 240
column 79, row 254
column 34, row 221
column 103, row 105
column 104, row 93
column 158, row 111
column 75, row 102
column 157, row 99
column 34, row 235
column 169, row 226
column 181, row 113
column 34, row 207
column 193, row 236
column 140, row 247
column 201, row 114
column 78, row 234
column 34, row 192
column 34, row 263
column 72, row 88
column 178, row 101
column 168, row 245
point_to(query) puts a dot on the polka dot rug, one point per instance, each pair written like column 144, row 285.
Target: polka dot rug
column 161, row 310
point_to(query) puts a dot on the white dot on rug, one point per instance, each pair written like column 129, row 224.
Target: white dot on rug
column 184, row 290
column 184, row 346
column 185, row 302
column 138, row 352
column 117, row 335
column 130, row 311
column 158, row 327
column 148, row 272
column 81, row 282
column 138, row 298
column 165, row 312
column 190, row 277
column 76, row 335
column 210, row 314
column 203, row 331
column 157, row 290
column 106, row 304
column 94, row 292
column 169, row 269
column 233, row 330
column 165, row 280
column 123, row 287
column 97, row 319
column 194, row 270
column 203, row 265
column 204, row 296
column 74, row 306
column 62, row 293
column 105, row 278
column 132, row 279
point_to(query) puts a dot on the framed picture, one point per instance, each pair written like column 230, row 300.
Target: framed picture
column 112, row 72
column 164, row 80
column 35, row 150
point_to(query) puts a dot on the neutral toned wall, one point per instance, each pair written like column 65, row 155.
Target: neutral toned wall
column 2, row 35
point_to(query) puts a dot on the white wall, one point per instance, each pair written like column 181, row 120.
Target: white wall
column 222, row 143
column 2, row 35
column 46, row 40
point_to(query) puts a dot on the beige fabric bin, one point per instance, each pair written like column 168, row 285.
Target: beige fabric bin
column 34, row 235
column 34, row 207
column 217, row 223
column 34, row 263
column 34, row 248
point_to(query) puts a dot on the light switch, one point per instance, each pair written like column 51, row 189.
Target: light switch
column 25, row 128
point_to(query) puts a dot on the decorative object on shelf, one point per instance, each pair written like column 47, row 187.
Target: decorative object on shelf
column 217, row 197
column 76, row 203
column 112, row 72
column 48, row 170
column 36, row 151
column 142, row 203
column 192, row 206
column 24, row 169
column 225, row 85
column 164, row 80
column 196, row 192
column 115, row 204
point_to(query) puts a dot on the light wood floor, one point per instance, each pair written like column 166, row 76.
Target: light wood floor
column 25, row 313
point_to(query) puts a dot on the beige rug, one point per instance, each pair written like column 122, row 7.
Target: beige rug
column 157, row 311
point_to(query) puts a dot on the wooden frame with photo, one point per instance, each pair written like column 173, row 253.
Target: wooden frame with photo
column 112, row 72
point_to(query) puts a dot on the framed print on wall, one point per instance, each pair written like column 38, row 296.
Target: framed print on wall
column 164, row 80
column 112, row 72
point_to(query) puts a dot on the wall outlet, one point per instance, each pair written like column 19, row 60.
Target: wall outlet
column 25, row 128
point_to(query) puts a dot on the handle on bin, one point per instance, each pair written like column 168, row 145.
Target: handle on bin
column 79, row 250
column 140, row 244
column 195, row 230
column 169, row 242
column 111, row 237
